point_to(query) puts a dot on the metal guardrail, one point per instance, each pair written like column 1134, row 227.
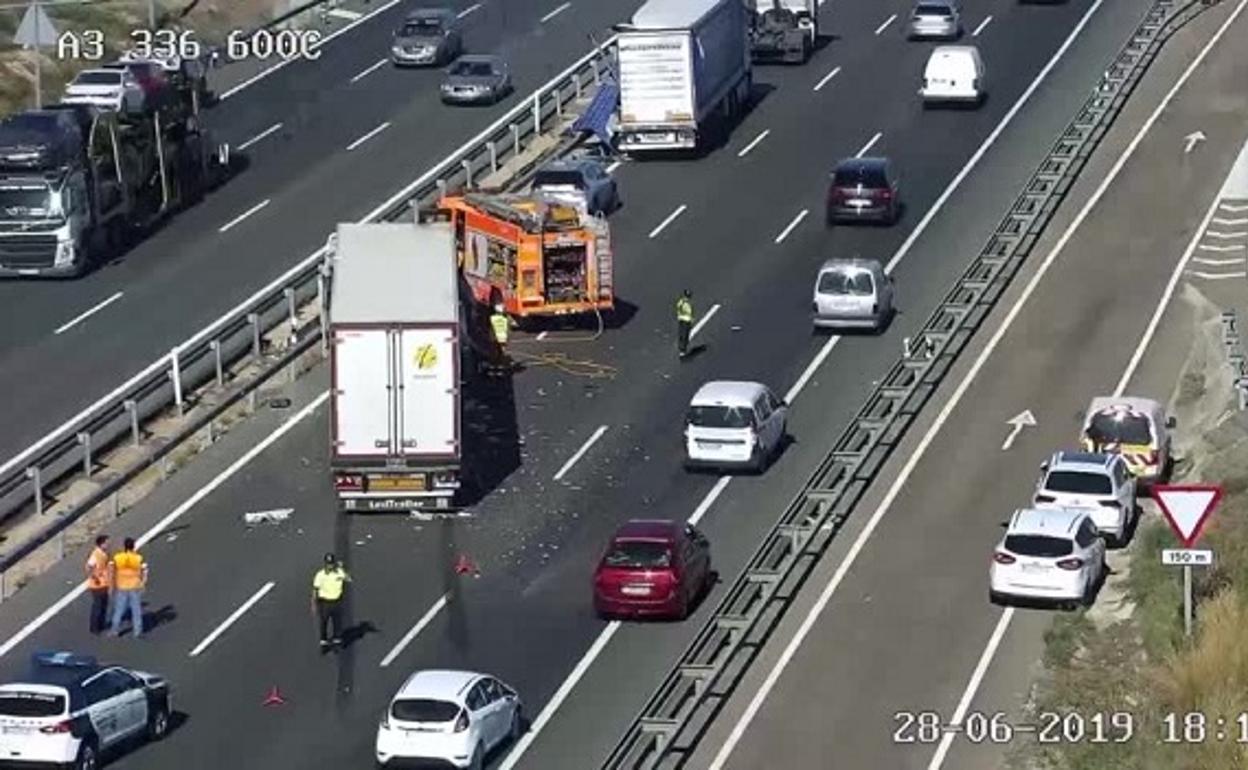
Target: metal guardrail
column 1233, row 348
column 670, row 725
column 69, row 451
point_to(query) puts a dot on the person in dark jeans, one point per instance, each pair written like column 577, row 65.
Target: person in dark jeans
column 328, row 586
column 684, row 322
column 98, row 585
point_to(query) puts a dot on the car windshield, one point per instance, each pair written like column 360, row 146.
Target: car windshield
column 854, row 175
column 856, row 283
column 421, row 28
column 1039, row 545
column 1078, row 483
column 721, row 416
column 31, row 704
column 98, row 78
column 21, row 202
column 552, row 178
column 933, row 9
column 424, row 710
column 475, row 69
column 638, row 554
column 1119, row 428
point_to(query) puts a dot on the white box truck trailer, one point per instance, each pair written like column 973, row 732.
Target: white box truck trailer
column 394, row 329
column 681, row 62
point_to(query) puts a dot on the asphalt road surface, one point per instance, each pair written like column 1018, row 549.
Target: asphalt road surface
column 304, row 178
column 910, row 630
column 527, row 617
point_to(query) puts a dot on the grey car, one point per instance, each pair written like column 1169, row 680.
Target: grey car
column 480, row 79
column 428, row 37
column 935, row 19
column 580, row 177
column 852, row 294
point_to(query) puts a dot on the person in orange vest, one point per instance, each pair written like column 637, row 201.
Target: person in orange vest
column 129, row 579
column 97, row 584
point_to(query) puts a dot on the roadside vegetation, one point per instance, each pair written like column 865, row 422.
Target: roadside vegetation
column 212, row 21
column 1129, row 653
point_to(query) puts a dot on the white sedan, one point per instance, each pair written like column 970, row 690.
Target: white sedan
column 1048, row 554
column 453, row 717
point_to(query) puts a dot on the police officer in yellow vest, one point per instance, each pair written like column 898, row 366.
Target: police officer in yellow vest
column 684, row 321
column 500, row 326
column 328, row 586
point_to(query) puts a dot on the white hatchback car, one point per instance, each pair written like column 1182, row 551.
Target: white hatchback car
column 451, row 717
column 852, row 294
column 1101, row 483
column 107, row 89
column 732, row 423
column 1048, row 554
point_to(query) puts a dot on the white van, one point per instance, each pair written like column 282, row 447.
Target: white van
column 1136, row 428
column 852, row 293
column 734, row 424
column 954, row 73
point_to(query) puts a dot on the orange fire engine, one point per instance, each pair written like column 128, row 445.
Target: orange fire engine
column 536, row 256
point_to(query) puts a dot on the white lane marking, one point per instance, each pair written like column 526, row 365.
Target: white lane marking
column 811, row 368
column 542, row 336
column 981, row 669
column 1146, row 338
column 1230, row 247
column 871, row 143
column 824, row 80
column 1216, row 234
column 84, row 315
column 702, row 321
column 469, row 10
column 581, row 452
column 595, row 649
column 709, row 500
column 1217, row 276
column 670, row 218
column 1233, row 208
column 773, row 676
column 981, row 26
column 259, row 136
column 232, row 619
column 753, row 143
column 264, row 74
column 921, row 227
column 555, row 12
column 611, row 169
column 368, row 70
column 415, row 630
column 343, row 13
column 171, row 517
column 223, row 228
column 368, row 136
column 797, row 220
column 884, row 26
column 1220, row 262
column 1229, row 222
column 556, row 700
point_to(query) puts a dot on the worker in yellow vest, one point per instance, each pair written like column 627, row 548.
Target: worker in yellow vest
column 500, row 327
column 684, row 321
column 97, row 585
column 328, row 586
column 129, row 579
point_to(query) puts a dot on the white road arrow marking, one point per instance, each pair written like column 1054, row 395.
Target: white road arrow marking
column 1018, row 422
column 1192, row 139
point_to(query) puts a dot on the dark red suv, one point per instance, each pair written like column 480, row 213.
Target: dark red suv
column 652, row 568
column 863, row 190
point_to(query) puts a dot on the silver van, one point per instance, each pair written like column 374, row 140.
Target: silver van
column 853, row 294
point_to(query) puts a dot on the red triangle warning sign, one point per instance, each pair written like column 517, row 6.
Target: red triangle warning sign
column 1187, row 508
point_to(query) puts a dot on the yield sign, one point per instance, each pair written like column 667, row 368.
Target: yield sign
column 1187, row 507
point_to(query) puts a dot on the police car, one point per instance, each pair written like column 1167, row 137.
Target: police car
column 72, row 708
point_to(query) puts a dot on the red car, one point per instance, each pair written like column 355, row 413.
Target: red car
column 654, row 568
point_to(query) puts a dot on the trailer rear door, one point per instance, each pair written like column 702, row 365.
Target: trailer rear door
column 362, row 402
column 428, row 404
